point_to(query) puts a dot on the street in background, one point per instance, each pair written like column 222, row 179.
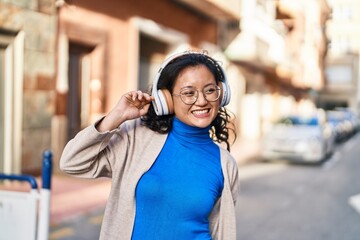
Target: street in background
column 284, row 200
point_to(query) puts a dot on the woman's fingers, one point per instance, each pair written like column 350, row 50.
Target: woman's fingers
column 140, row 95
column 138, row 99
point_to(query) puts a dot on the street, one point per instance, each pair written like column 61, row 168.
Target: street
column 84, row 227
column 282, row 201
column 279, row 201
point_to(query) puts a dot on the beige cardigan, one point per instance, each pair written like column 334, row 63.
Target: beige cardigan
column 125, row 154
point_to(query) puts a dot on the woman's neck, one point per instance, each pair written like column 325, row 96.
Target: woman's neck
column 190, row 134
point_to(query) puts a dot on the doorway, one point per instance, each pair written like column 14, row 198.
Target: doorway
column 152, row 54
column 79, row 77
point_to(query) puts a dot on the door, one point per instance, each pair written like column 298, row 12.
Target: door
column 78, row 54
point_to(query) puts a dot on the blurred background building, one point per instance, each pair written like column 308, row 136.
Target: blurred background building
column 65, row 63
column 280, row 50
column 27, row 80
column 342, row 62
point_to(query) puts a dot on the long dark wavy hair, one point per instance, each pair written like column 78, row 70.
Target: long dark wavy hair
column 220, row 126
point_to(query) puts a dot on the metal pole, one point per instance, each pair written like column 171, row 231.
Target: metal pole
column 45, row 194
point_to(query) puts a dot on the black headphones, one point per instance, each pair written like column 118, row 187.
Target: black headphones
column 163, row 104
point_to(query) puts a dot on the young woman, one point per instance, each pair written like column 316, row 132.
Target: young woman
column 171, row 179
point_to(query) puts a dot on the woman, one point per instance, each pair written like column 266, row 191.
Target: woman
column 170, row 180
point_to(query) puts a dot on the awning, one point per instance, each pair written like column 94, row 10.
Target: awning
column 282, row 84
column 228, row 10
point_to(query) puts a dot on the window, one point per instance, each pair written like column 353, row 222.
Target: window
column 342, row 13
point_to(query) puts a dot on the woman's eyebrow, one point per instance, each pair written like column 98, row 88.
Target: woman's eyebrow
column 188, row 87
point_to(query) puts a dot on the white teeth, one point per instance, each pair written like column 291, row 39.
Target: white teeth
column 198, row 112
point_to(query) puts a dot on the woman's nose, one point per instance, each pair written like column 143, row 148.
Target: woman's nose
column 201, row 100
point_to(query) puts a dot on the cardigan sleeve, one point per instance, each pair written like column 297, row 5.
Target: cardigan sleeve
column 89, row 153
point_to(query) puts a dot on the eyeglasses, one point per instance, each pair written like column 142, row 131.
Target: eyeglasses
column 189, row 95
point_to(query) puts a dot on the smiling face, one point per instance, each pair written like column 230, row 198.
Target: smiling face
column 202, row 112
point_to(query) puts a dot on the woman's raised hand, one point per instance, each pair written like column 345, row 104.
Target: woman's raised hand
column 131, row 105
column 135, row 104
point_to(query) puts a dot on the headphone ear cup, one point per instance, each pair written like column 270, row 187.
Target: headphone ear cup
column 225, row 95
column 168, row 100
column 166, row 103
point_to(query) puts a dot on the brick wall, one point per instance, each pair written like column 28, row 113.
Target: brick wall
column 37, row 19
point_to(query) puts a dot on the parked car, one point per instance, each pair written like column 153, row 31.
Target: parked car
column 344, row 122
column 296, row 138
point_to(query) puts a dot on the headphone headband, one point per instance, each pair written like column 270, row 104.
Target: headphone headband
column 162, row 107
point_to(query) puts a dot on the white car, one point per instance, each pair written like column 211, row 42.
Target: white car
column 299, row 139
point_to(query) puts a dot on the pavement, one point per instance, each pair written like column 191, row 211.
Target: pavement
column 246, row 151
column 76, row 201
column 72, row 197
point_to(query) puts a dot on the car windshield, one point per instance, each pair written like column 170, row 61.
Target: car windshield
column 299, row 121
column 335, row 116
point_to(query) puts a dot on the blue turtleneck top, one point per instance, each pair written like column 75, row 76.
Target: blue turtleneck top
column 175, row 197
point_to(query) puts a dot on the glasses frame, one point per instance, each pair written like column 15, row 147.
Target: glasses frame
column 196, row 96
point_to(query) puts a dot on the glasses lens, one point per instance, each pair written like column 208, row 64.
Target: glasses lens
column 189, row 95
column 212, row 92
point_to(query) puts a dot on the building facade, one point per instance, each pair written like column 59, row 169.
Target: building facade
column 281, row 50
column 27, row 70
column 120, row 48
column 64, row 64
column 342, row 62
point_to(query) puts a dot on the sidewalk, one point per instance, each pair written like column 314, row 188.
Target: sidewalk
column 72, row 196
column 246, row 151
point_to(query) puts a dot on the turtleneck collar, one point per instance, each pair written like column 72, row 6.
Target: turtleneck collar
column 190, row 134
